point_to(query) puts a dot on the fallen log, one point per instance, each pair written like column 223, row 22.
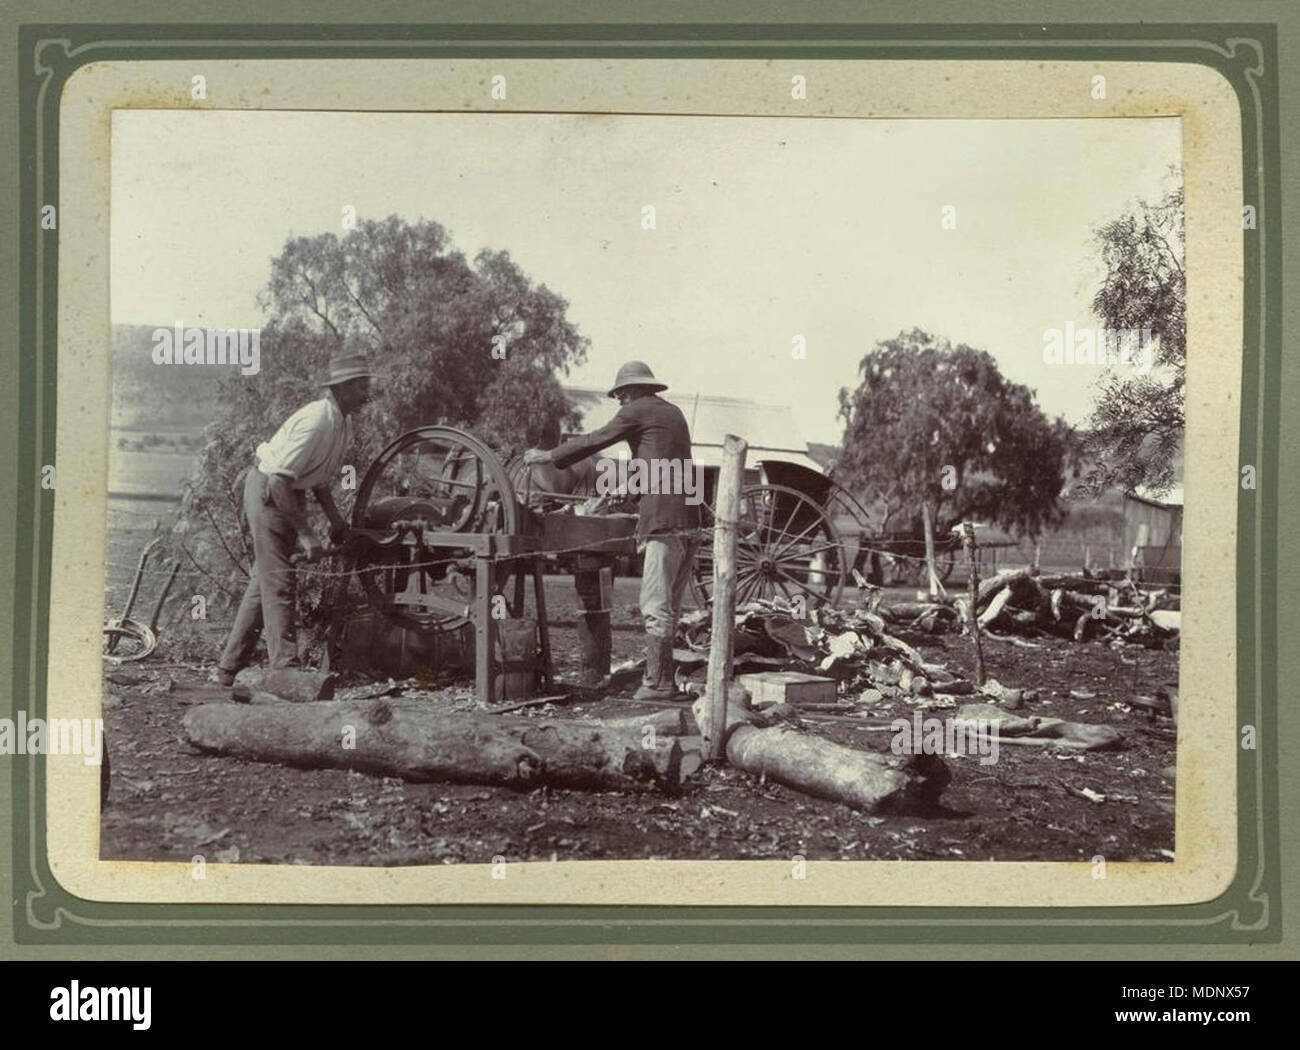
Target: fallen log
column 670, row 722
column 411, row 740
column 1045, row 731
column 1084, row 626
column 1033, row 593
column 864, row 780
column 1078, row 583
column 994, row 608
column 760, row 743
column 243, row 695
column 988, row 588
column 1079, row 600
column 906, row 612
column 1089, row 736
column 935, row 622
column 288, row 683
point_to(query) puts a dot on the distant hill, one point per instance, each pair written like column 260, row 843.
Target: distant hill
column 146, row 395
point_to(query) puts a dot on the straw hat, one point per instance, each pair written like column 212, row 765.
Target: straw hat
column 348, row 366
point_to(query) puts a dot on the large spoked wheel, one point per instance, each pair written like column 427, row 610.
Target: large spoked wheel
column 910, row 571
column 786, row 546
column 430, row 480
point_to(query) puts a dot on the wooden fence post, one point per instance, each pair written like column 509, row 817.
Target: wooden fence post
column 726, row 514
column 968, row 541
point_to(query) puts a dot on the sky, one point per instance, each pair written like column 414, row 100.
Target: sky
column 765, row 229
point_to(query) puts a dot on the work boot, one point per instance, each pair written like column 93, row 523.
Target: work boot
column 658, row 683
column 220, row 676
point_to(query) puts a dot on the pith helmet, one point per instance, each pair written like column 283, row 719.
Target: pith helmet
column 636, row 373
column 348, row 366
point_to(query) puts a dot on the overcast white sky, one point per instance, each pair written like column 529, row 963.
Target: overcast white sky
column 766, row 228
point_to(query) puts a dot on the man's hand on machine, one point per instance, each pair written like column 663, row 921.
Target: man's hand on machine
column 536, row 455
column 311, row 548
column 345, row 539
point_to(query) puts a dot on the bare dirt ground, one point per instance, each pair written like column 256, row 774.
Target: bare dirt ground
column 170, row 803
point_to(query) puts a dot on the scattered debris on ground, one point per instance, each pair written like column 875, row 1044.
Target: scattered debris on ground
column 1075, row 722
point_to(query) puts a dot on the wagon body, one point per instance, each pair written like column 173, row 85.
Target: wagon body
column 863, row 543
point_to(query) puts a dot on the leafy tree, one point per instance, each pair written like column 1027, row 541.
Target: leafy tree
column 941, row 436
column 1135, row 432
column 426, row 317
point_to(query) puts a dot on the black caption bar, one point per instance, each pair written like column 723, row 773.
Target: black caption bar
column 143, row 999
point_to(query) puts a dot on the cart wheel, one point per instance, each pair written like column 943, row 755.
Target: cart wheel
column 907, row 569
column 441, row 480
column 785, row 546
column 127, row 640
column 944, row 562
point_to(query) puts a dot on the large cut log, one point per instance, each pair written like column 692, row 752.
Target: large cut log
column 864, row 780
column 762, row 743
column 988, row 588
column 288, row 683
column 994, row 608
column 1079, row 600
column 411, row 740
column 676, row 721
column 1027, row 591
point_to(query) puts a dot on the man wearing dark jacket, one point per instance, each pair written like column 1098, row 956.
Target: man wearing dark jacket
column 669, row 513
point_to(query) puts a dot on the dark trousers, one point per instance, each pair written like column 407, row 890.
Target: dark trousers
column 268, row 598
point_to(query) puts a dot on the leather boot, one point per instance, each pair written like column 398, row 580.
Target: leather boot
column 658, row 683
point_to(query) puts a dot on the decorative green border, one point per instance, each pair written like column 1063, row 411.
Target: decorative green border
column 1249, row 911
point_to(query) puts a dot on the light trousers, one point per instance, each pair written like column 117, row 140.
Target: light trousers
column 666, row 570
column 269, row 596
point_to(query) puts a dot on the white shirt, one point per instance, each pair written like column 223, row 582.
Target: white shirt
column 310, row 445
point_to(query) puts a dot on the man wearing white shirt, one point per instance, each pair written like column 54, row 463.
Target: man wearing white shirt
column 307, row 452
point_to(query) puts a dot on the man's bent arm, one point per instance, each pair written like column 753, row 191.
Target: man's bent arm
column 326, row 500
column 619, row 428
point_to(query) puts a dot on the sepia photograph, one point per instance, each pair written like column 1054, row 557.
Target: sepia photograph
column 589, row 482
column 546, row 487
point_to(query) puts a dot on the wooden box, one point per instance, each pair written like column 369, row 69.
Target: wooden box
column 788, row 687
